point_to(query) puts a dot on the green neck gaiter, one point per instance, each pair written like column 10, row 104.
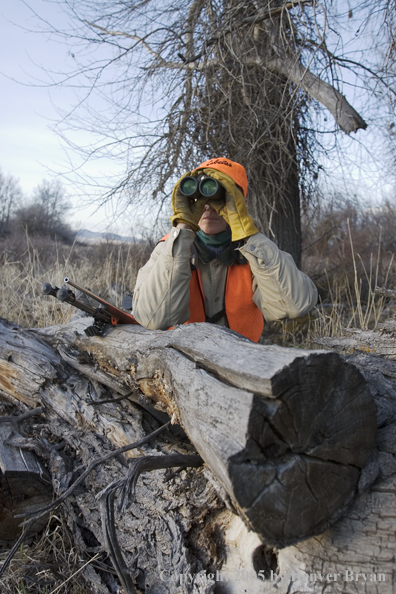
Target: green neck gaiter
column 219, row 241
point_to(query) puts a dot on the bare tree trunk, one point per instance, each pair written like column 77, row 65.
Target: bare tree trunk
column 284, row 218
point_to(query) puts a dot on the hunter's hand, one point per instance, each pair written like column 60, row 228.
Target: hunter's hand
column 185, row 210
column 234, row 210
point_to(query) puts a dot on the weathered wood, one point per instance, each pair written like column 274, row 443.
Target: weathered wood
column 180, row 526
column 32, row 374
column 380, row 341
column 286, row 432
column 25, row 484
column 164, row 526
column 385, row 292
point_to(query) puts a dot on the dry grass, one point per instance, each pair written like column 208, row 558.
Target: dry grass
column 346, row 290
column 348, row 300
column 108, row 269
column 48, row 564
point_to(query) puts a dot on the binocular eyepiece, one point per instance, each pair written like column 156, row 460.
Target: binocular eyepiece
column 196, row 187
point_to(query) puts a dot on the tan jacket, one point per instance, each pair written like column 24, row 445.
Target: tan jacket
column 161, row 297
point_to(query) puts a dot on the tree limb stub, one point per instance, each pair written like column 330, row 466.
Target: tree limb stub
column 344, row 114
column 286, row 432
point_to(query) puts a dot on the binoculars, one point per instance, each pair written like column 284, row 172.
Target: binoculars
column 196, row 187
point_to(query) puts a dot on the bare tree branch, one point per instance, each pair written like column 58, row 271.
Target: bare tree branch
column 344, row 114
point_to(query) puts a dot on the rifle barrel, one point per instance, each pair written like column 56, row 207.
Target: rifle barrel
column 86, row 291
column 117, row 313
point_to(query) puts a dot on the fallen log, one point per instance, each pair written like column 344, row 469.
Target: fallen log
column 285, row 432
column 380, row 341
column 195, row 534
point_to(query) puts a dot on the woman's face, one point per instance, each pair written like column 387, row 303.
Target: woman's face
column 210, row 222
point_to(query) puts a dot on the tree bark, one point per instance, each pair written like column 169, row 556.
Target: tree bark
column 284, row 221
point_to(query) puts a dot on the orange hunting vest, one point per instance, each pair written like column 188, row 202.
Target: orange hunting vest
column 242, row 313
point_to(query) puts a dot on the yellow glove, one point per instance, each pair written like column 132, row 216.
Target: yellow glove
column 234, row 210
column 186, row 210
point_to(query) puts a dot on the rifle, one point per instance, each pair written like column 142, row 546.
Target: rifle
column 104, row 314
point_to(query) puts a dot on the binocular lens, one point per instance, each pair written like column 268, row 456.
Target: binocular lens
column 193, row 188
column 188, row 186
column 208, row 187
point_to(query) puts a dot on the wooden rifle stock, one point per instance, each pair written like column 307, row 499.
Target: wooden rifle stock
column 106, row 313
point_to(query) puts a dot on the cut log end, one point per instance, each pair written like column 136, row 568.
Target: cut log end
column 305, row 450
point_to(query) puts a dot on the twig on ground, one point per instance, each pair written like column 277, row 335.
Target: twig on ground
column 147, row 463
column 93, row 464
column 23, row 416
column 99, row 402
column 110, row 538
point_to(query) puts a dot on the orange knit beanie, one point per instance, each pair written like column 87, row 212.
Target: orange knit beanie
column 234, row 170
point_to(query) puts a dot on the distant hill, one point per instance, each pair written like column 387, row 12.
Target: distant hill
column 96, row 237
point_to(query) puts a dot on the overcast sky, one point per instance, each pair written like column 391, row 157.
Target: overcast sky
column 30, row 150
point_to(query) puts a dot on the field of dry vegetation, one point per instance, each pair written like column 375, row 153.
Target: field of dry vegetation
column 347, row 251
column 108, row 269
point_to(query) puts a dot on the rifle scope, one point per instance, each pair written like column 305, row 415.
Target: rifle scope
column 63, row 294
column 48, row 289
column 194, row 188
